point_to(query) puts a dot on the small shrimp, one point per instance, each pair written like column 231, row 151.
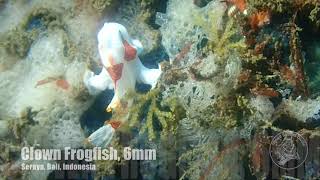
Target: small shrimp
column 45, row 81
column 61, row 83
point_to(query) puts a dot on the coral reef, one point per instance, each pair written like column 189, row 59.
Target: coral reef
column 260, row 81
column 239, row 72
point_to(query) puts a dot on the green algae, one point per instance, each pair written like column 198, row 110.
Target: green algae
column 48, row 18
column 105, row 168
column 101, row 5
column 228, row 41
column 9, row 152
column 315, row 15
column 153, row 117
column 70, row 49
column 18, row 41
column 18, row 126
column 195, row 158
column 288, row 7
column 166, row 113
column 221, row 41
column 229, row 112
column 232, row 109
column 276, row 6
column 148, row 9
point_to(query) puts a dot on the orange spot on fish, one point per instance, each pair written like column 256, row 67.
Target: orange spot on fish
column 114, row 124
column 115, row 72
column 130, row 52
column 61, row 83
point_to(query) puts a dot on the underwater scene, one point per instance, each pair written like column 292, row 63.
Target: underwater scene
column 159, row 89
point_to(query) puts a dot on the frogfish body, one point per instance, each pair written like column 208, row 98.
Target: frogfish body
column 121, row 70
column 122, row 67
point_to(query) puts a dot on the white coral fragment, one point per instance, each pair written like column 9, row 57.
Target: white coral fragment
column 102, row 137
